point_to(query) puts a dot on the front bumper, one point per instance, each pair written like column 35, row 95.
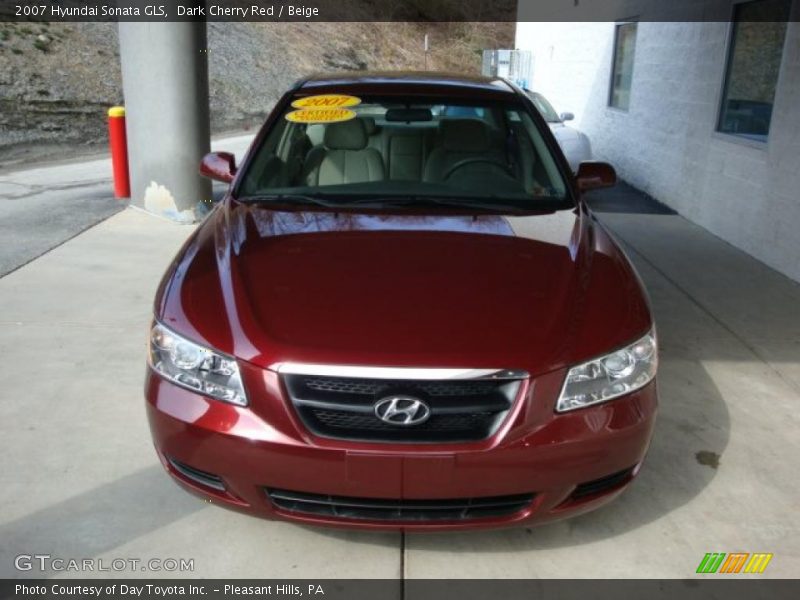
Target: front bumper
column 551, row 457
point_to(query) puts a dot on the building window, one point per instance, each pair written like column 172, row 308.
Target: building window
column 754, row 61
column 622, row 72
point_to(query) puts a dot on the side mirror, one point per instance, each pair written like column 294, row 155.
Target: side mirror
column 595, row 174
column 220, row 166
column 566, row 116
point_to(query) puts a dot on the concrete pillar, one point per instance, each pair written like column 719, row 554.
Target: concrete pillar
column 165, row 83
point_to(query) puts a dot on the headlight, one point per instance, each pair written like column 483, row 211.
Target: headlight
column 620, row 372
column 194, row 367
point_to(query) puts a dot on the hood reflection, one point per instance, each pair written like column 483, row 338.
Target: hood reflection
column 270, row 223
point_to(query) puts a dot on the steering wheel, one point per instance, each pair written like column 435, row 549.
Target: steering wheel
column 478, row 159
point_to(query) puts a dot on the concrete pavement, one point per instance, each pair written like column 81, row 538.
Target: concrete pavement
column 721, row 474
column 80, row 478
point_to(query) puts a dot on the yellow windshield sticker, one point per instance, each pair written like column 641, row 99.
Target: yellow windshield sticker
column 320, row 115
column 326, row 101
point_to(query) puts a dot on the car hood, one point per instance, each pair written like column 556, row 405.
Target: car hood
column 564, row 133
column 530, row 292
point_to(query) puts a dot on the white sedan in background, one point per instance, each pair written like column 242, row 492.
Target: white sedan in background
column 574, row 144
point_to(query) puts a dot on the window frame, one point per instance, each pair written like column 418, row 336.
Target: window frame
column 609, row 100
column 727, row 136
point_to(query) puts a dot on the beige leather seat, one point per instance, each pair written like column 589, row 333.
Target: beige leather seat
column 344, row 157
column 460, row 139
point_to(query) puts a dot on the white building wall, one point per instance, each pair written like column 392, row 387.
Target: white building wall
column 666, row 144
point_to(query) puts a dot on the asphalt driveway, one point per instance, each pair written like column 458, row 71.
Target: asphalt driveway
column 43, row 206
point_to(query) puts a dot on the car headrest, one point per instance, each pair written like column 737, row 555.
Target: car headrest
column 369, row 125
column 464, row 135
column 346, row 135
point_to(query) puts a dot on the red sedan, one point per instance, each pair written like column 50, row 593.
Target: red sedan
column 403, row 316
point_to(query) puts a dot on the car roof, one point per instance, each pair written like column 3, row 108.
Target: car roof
column 408, row 82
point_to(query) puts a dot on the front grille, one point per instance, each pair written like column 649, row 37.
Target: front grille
column 602, row 485
column 398, row 510
column 350, row 420
column 344, row 386
column 373, row 386
column 344, row 407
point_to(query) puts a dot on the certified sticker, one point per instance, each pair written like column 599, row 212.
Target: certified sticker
column 320, row 115
column 327, row 101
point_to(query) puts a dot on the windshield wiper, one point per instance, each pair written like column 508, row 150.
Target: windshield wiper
column 388, row 202
column 291, row 199
column 436, row 201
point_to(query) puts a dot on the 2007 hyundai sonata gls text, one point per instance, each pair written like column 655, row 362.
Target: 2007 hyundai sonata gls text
column 402, row 315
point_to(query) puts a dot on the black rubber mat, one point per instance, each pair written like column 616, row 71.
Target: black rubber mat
column 624, row 198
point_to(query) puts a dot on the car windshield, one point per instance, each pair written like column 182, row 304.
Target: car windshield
column 543, row 106
column 335, row 148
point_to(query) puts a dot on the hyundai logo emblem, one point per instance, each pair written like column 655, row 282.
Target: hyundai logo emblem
column 402, row 410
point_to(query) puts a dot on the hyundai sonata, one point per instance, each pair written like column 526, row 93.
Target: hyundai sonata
column 403, row 315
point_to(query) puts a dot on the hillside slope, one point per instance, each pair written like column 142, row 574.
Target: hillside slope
column 57, row 80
